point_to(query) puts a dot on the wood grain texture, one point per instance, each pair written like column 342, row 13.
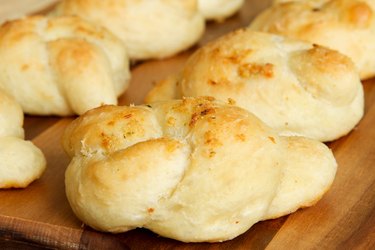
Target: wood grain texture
column 40, row 217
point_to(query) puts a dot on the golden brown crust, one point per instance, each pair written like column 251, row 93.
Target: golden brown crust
column 295, row 87
column 174, row 26
column 343, row 25
column 193, row 169
column 61, row 66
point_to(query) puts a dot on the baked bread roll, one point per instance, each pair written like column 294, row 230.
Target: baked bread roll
column 149, row 29
column 192, row 170
column 219, row 9
column 293, row 86
column 21, row 161
column 306, row 1
column 344, row 25
column 61, row 66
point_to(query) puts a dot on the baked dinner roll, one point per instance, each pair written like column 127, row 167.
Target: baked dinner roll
column 21, row 161
column 306, row 1
column 61, row 66
column 219, row 9
column 293, row 86
column 192, row 169
column 344, row 25
column 149, row 29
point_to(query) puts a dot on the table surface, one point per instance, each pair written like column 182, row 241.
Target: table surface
column 40, row 216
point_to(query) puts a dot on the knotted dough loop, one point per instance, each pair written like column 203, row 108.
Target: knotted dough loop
column 149, row 29
column 192, row 169
column 314, row 2
column 61, row 66
column 295, row 87
column 347, row 26
column 20, row 161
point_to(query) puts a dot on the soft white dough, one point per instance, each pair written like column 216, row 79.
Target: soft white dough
column 149, row 29
column 293, row 86
column 193, row 169
column 61, row 66
column 21, row 162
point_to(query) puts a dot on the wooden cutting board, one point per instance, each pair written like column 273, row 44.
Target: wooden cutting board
column 40, row 216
